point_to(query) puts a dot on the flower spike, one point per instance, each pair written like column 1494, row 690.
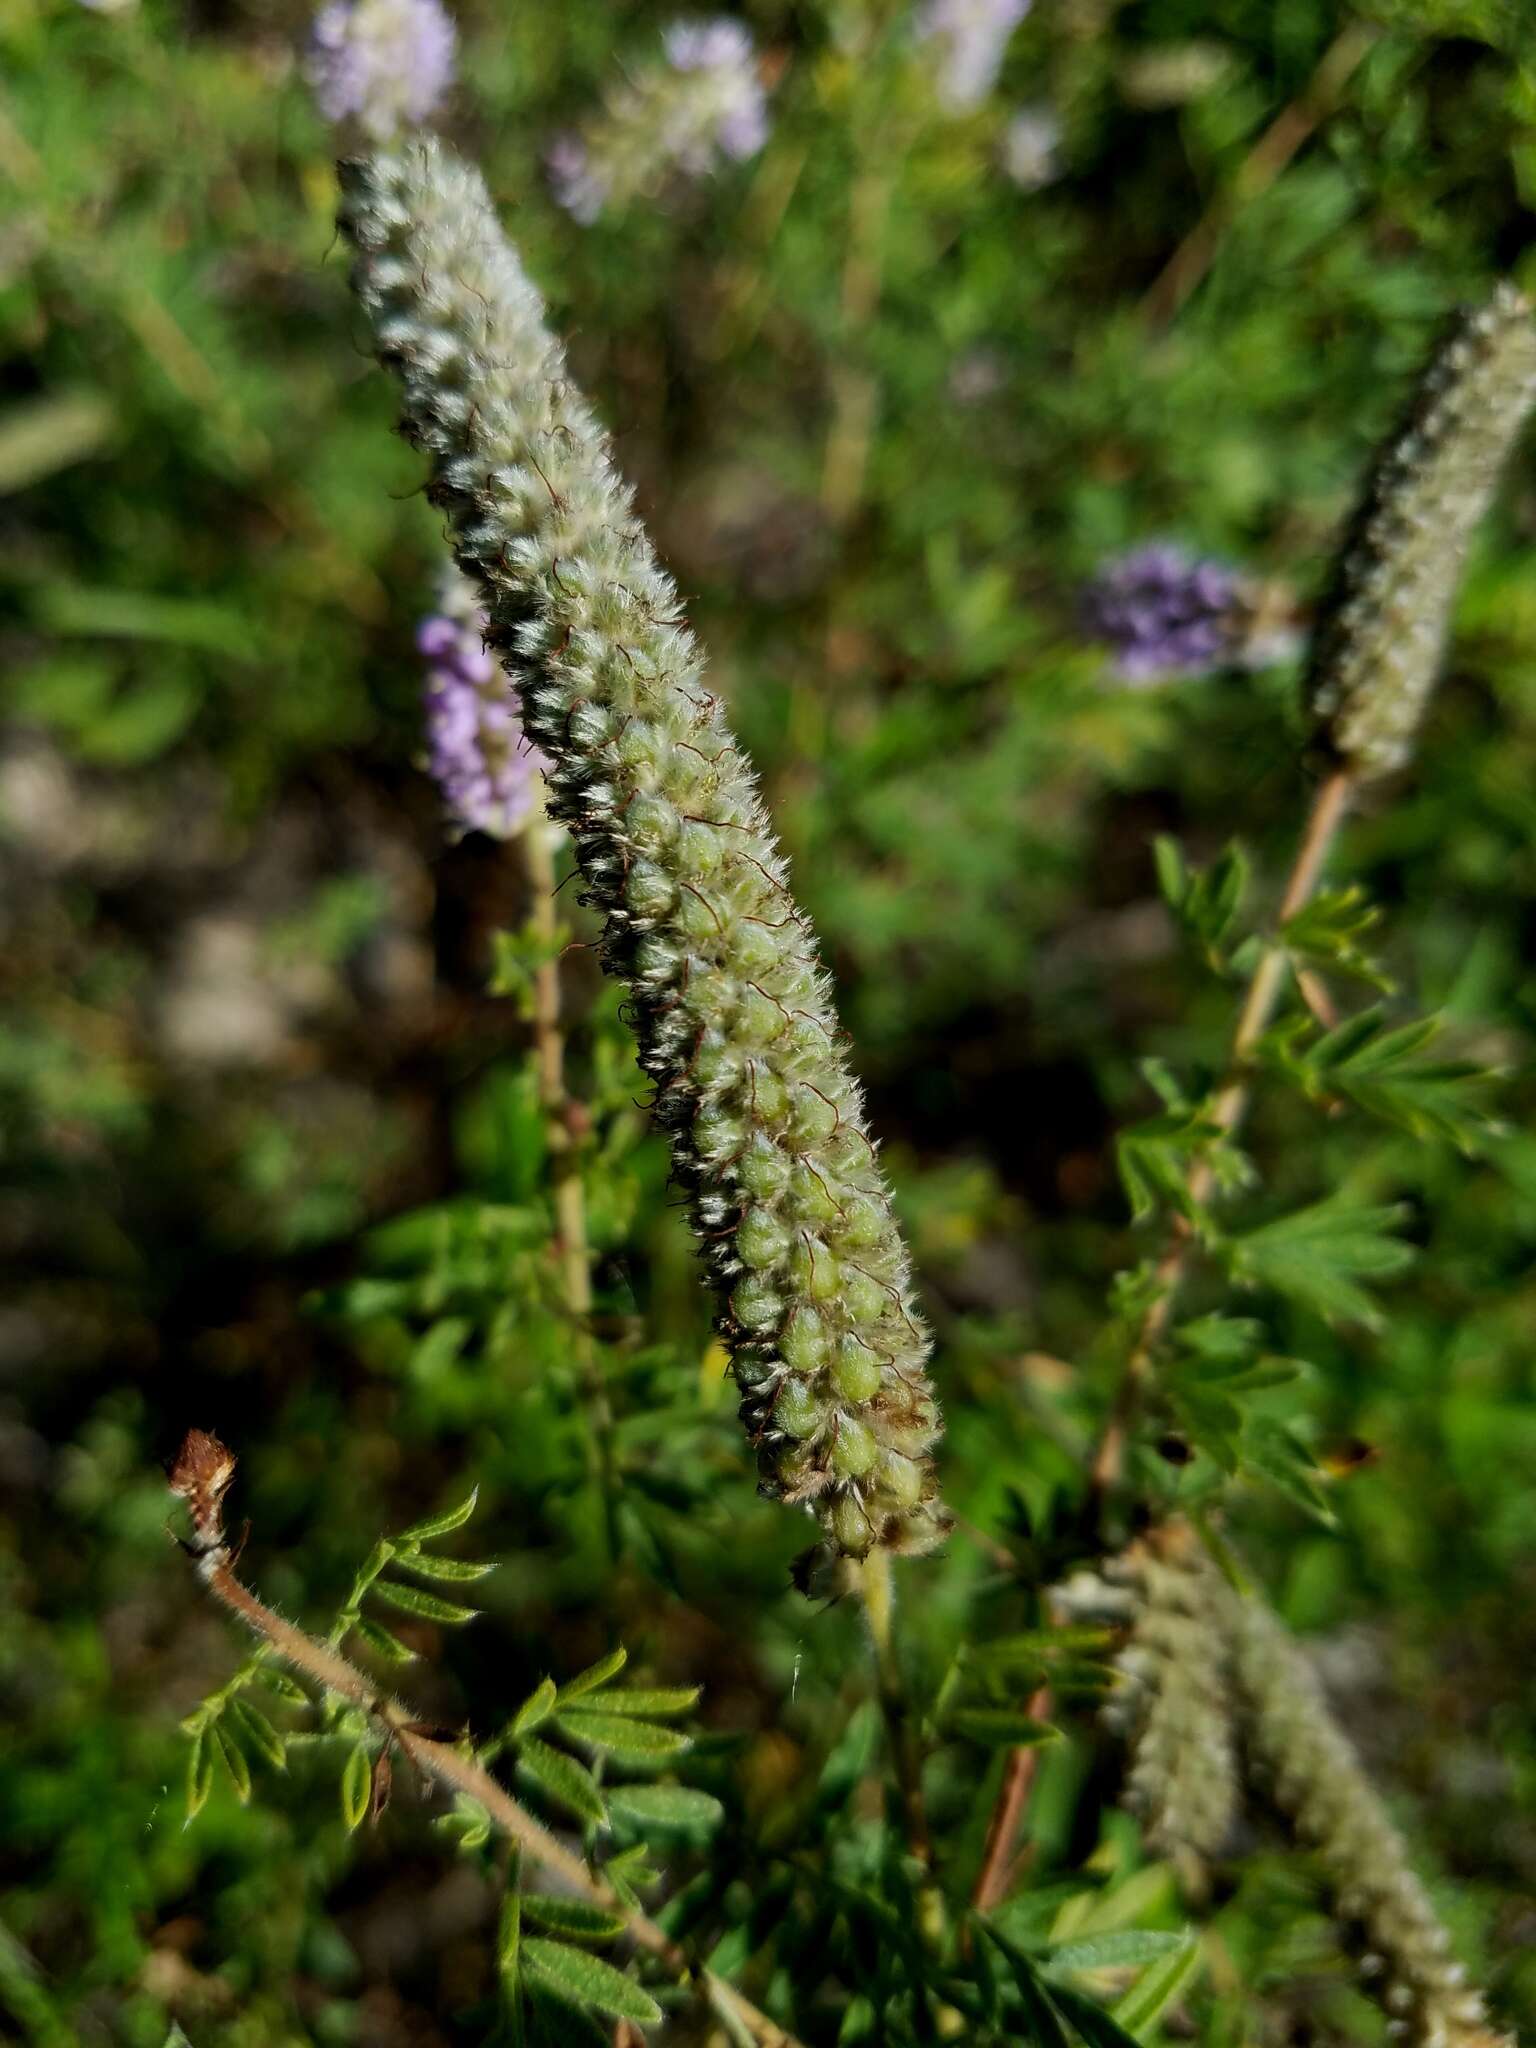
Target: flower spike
column 731, row 1006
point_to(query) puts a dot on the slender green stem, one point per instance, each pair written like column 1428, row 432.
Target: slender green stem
column 563, row 1122
column 1329, row 805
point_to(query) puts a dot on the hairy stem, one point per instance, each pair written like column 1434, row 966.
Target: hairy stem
column 458, row 1773
column 1329, row 804
column 1275, row 148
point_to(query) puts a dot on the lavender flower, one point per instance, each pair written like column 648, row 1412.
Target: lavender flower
column 384, row 63
column 721, row 53
column 973, row 35
column 486, row 768
column 1030, row 148
column 703, row 104
column 1164, row 612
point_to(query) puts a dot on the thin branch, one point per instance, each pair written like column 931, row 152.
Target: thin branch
column 200, row 1477
column 564, row 1121
column 998, row 1860
column 1329, row 805
column 1275, row 148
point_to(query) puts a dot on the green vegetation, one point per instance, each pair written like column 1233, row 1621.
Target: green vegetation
column 283, row 1155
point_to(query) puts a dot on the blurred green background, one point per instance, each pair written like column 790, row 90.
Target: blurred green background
column 270, row 1159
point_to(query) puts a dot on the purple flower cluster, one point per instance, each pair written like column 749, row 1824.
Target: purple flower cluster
column 486, row 768
column 677, row 118
column 1164, row 612
column 721, row 52
column 971, row 36
column 383, row 63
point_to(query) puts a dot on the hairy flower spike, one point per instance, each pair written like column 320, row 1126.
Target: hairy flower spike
column 481, row 760
column 1184, row 1780
column 678, row 117
column 1316, row 1781
column 732, row 1010
column 1379, row 644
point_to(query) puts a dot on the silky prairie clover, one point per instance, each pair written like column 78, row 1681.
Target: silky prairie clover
column 732, row 1010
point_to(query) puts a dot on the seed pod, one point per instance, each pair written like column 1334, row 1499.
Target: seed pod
column 1312, row 1774
column 732, row 1010
column 1378, row 646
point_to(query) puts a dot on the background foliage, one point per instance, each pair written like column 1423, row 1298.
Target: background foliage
column 271, row 1152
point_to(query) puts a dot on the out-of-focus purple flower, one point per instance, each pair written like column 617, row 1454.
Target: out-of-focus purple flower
column 721, row 55
column 1164, row 612
column 972, row 36
column 384, row 63
column 680, row 116
column 573, row 178
column 486, row 769
column 1030, row 148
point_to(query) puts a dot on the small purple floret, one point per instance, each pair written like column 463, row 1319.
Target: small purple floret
column 1164, row 612
column 487, row 770
column 384, row 63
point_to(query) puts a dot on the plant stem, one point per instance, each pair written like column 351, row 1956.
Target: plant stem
column 997, row 1858
column 1329, row 804
column 1269, row 156
column 879, row 1593
column 562, row 1117
column 462, row 1774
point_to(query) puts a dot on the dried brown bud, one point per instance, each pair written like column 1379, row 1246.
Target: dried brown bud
column 200, row 1475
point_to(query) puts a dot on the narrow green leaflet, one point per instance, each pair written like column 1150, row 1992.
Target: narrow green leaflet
column 1157, row 1988
column 1126, row 1949
column 1000, row 1725
column 356, row 1787
column 565, row 1780
column 1378, row 1068
column 1318, row 1256
column 1328, row 932
column 199, row 1773
column 440, row 1525
column 587, row 1982
column 1204, row 901
column 672, row 1699
column 459, row 1570
column 509, row 1931
column 666, row 1806
column 414, row 1601
column 1091, row 2022
column 573, row 1918
column 233, row 1758
column 595, row 1675
column 538, row 1707
column 632, row 1741
column 279, row 1682
column 1154, row 1158
column 1281, row 1457
column 382, row 1641
column 259, row 1733
column 1046, row 2029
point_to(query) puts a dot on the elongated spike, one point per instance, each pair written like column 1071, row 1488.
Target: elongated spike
column 1378, row 647
column 733, row 1012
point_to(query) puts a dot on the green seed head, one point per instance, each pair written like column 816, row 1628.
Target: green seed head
column 731, row 1007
